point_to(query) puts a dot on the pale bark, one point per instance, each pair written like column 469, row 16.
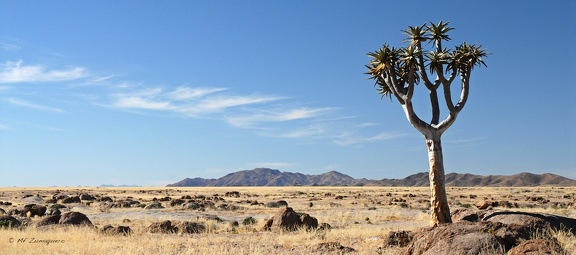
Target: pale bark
column 439, row 201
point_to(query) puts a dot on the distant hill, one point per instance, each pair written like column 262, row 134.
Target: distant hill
column 272, row 177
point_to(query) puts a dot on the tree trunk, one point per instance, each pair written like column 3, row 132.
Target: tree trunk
column 439, row 202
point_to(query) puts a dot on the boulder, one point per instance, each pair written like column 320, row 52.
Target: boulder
column 7, row 221
column 33, row 200
column 464, row 238
column 536, row 220
column 70, row 200
column 398, row 238
column 164, row 227
column 32, row 210
column 120, row 230
column 190, row 227
column 537, row 247
column 50, row 220
column 75, row 218
column 154, row 205
column 288, row 220
column 483, row 205
column 86, row 197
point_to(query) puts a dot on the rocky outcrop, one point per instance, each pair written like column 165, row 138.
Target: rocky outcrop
column 286, row 219
column 492, row 232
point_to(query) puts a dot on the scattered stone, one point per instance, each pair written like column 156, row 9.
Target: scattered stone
column 332, row 248
column 232, row 194
column 7, row 221
column 398, row 238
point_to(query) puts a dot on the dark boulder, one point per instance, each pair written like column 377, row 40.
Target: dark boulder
column 163, row 227
column 288, row 220
column 32, row 210
column 120, row 230
column 190, row 227
column 75, row 218
column 50, row 220
column 398, row 238
column 7, row 221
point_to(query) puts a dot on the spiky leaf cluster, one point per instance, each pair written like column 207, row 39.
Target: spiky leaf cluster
column 395, row 69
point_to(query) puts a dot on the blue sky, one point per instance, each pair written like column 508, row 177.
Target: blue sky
column 149, row 93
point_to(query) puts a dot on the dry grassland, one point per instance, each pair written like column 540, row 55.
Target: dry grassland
column 361, row 218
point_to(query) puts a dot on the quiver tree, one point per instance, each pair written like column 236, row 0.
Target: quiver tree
column 397, row 71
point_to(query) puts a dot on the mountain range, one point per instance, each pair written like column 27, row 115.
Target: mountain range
column 273, row 177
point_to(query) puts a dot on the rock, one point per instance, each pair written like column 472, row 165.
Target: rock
column 308, row 221
column 176, row 202
column 190, row 228
column 70, row 200
column 535, row 220
column 75, row 218
column 537, row 247
column 332, row 248
column 50, row 220
column 33, row 200
column 54, row 211
column 232, row 194
column 120, row 230
column 105, row 199
column 7, row 221
column 2, row 212
column 164, row 227
column 32, row 210
column 288, row 220
column 398, row 238
column 154, row 205
column 464, row 238
column 86, row 197
column 483, row 205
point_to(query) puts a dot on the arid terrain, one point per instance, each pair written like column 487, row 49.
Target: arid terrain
column 233, row 219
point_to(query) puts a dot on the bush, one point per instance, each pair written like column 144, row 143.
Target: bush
column 248, row 221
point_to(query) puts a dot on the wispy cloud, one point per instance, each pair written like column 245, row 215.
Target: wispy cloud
column 15, row 72
column 26, row 104
column 9, row 46
column 187, row 93
column 186, row 101
column 311, row 131
column 250, row 121
column 348, row 138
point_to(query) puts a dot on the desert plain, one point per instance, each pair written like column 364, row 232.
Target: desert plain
column 355, row 219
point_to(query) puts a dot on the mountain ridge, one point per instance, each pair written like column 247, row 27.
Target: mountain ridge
column 274, row 177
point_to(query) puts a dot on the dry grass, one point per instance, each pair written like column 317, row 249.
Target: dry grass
column 361, row 217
